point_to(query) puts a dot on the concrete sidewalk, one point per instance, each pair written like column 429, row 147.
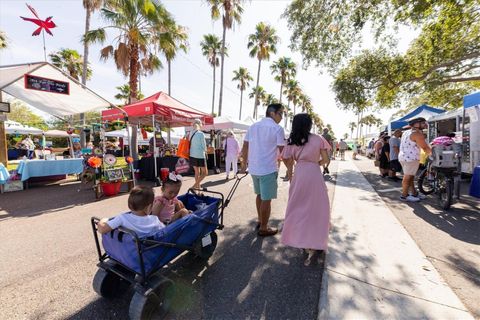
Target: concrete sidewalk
column 374, row 270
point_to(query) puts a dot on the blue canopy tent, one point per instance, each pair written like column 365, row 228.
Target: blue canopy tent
column 471, row 100
column 424, row 111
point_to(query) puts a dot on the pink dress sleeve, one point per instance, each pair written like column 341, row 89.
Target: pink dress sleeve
column 287, row 152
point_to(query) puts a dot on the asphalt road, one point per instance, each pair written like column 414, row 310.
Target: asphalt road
column 449, row 239
column 48, row 260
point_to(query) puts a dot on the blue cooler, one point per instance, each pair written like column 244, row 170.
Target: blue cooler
column 475, row 184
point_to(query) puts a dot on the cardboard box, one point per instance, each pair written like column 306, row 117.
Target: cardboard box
column 10, row 186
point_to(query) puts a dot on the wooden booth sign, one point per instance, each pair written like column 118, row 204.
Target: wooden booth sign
column 4, row 107
column 47, row 85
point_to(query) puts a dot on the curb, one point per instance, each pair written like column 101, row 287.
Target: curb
column 323, row 306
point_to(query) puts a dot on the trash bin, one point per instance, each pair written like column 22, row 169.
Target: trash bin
column 475, row 184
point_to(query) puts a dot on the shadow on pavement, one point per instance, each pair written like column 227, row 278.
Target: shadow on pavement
column 369, row 287
column 256, row 281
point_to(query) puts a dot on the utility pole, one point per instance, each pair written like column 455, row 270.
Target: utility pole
column 3, row 139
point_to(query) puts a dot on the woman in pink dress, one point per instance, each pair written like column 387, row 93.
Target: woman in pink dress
column 307, row 220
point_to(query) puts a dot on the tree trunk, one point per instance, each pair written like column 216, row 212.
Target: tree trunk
column 358, row 122
column 222, row 58
column 281, row 89
column 213, row 96
column 241, row 102
column 256, row 90
column 134, row 143
column 133, row 81
column 169, row 77
column 286, row 114
column 83, row 138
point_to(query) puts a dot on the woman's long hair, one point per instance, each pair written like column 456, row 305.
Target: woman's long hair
column 301, row 126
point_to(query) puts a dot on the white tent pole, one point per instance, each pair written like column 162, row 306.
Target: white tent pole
column 154, row 146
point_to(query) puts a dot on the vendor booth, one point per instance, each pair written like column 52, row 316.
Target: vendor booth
column 16, row 130
column 424, row 111
column 159, row 111
column 50, row 90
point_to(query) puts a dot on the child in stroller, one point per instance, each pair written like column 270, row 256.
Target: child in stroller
column 139, row 220
column 167, row 207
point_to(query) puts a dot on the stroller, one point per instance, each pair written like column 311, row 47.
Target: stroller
column 129, row 260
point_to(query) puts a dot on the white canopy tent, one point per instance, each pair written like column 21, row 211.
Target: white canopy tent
column 225, row 123
column 59, row 134
column 49, row 89
column 13, row 127
column 122, row 133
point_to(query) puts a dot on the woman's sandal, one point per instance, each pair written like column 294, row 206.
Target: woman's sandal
column 268, row 232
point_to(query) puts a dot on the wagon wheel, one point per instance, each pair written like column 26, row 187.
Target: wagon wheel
column 107, row 284
column 207, row 251
column 157, row 303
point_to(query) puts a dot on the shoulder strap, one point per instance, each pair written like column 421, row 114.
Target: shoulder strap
column 191, row 137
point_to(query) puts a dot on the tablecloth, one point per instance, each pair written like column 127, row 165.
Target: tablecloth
column 42, row 168
column 4, row 175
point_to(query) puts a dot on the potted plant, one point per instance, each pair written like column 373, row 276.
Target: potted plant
column 109, row 187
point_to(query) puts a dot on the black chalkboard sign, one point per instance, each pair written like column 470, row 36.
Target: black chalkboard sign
column 48, row 85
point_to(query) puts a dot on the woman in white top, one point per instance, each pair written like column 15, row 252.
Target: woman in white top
column 232, row 150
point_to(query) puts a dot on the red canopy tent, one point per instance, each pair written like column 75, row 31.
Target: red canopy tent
column 160, row 108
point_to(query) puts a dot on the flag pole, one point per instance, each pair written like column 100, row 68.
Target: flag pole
column 44, row 49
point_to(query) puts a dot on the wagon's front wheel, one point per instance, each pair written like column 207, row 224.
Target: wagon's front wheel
column 156, row 304
column 107, row 284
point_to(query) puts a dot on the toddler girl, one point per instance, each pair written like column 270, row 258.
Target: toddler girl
column 167, row 207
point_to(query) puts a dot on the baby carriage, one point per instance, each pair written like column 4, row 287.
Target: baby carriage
column 128, row 260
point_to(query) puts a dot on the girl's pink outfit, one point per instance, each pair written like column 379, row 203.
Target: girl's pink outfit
column 168, row 208
column 307, row 219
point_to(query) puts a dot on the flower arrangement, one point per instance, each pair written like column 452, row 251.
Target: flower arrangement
column 94, row 162
column 128, row 159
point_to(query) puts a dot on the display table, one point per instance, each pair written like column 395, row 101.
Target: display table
column 4, row 175
column 147, row 169
column 43, row 168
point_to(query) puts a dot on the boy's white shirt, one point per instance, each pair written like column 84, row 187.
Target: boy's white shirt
column 143, row 226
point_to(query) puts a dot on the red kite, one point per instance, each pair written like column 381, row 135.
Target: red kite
column 46, row 25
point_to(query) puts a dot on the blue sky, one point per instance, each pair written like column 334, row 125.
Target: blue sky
column 191, row 73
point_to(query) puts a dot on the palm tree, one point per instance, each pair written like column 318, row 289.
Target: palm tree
column 243, row 77
column 211, row 47
column 170, row 42
column 258, row 93
column 293, row 93
column 284, row 69
column 137, row 23
column 262, row 43
column 352, row 125
column 3, row 40
column 124, row 94
column 70, row 61
column 268, row 99
column 231, row 11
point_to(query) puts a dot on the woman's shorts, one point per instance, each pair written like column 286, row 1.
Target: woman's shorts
column 197, row 162
column 410, row 168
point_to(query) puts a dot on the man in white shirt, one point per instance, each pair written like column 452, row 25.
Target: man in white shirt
column 262, row 141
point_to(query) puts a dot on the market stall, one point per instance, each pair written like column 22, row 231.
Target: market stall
column 50, row 90
column 159, row 111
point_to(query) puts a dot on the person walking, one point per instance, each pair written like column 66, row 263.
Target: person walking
column 307, row 218
column 232, row 149
column 343, row 146
column 259, row 152
column 385, row 157
column 377, row 147
column 409, row 157
column 326, row 135
column 394, row 150
column 198, row 149
column 354, row 150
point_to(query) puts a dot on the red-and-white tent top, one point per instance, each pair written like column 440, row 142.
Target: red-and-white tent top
column 165, row 109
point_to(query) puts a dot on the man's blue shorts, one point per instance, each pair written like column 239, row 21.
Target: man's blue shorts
column 266, row 186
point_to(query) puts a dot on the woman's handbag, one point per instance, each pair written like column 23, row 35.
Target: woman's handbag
column 183, row 150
